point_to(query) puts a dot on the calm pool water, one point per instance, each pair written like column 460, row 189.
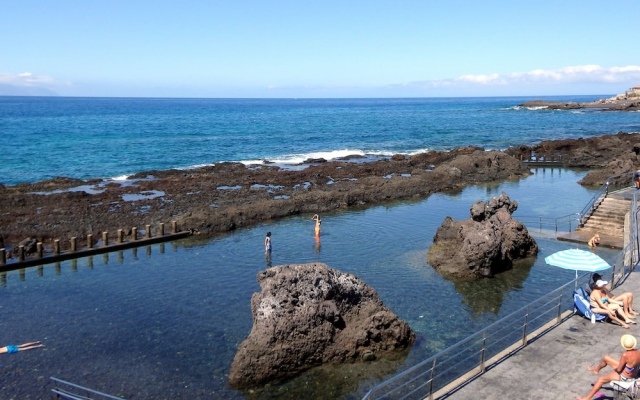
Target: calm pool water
column 163, row 322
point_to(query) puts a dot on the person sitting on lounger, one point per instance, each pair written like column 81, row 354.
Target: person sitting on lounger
column 626, row 298
column 601, row 304
column 623, row 370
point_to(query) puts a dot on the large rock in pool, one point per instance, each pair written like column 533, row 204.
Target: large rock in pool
column 310, row 314
column 485, row 244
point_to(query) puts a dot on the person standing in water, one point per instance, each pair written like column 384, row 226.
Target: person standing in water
column 267, row 243
column 316, row 218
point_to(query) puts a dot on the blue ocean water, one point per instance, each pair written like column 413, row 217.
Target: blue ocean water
column 86, row 138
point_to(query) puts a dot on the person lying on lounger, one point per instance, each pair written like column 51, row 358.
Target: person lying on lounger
column 623, row 370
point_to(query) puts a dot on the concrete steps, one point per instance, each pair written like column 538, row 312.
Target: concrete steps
column 608, row 218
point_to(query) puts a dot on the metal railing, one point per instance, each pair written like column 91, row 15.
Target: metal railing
column 564, row 223
column 443, row 372
column 71, row 391
column 613, row 183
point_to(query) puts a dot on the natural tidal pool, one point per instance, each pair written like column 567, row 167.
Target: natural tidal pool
column 163, row 322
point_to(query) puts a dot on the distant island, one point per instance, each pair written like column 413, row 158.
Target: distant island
column 627, row 101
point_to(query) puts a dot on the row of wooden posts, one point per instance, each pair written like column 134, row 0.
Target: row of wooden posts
column 73, row 242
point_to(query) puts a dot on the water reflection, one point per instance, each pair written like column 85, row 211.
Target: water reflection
column 487, row 295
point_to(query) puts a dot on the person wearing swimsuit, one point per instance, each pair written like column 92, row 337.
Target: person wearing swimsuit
column 624, row 369
column 267, row 243
column 316, row 218
column 602, row 304
column 14, row 348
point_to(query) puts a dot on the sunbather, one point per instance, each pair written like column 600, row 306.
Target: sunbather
column 624, row 370
column 626, row 298
column 13, row 348
column 601, row 304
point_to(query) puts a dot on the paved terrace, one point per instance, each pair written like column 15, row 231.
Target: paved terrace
column 554, row 365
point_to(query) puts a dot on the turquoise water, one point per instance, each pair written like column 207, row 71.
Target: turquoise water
column 45, row 137
column 164, row 321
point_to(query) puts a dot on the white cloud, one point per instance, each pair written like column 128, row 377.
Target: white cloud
column 27, row 79
column 567, row 75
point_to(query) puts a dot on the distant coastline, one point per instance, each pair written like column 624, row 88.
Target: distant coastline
column 627, row 101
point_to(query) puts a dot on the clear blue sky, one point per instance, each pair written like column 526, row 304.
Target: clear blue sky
column 273, row 48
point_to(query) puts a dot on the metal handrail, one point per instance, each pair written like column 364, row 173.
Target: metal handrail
column 551, row 222
column 428, row 377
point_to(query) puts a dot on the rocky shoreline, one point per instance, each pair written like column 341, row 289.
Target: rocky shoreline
column 227, row 196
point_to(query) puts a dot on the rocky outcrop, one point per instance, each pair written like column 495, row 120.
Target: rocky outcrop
column 485, row 244
column 627, row 101
column 227, row 196
column 310, row 314
column 607, row 155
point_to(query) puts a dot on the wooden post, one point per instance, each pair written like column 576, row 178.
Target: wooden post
column 174, row 227
column 89, row 241
column 3, row 256
column 105, row 238
column 21, row 253
column 73, row 244
column 148, row 232
column 134, row 233
column 162, row 229
column 39, row 249
column 119, row 236
column 56, row 246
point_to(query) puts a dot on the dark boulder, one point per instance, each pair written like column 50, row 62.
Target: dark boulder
column 310, row 314
column 485, row 244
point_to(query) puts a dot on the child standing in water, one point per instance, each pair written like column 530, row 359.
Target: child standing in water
column 267, row 243
column 316, row 218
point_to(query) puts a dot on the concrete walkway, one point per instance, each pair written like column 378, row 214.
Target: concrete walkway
column 554, row 365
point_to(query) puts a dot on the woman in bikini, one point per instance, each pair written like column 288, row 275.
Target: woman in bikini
column 626, row 298
column 602, row 304
column 623, row 370
column 316, row 218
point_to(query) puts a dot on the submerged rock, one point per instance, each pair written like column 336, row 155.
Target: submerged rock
column 485, row 244
column 310, row 314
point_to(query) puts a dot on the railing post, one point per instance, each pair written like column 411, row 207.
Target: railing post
column 174, row 227
column 105, row 239
column 89, row 241
column 73, row 244
column 524, row 329
column 134, row 233
column 433, row 368
column 21, row 253
column 119, row 236
column 56, row 246
column 148, row 231
column 39, row 249
column 560, row 308
column 483, row 352
column 161, row 229
column 3, row 256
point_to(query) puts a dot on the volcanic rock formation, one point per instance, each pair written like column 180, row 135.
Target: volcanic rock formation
column 483, row 245
column 310, row 314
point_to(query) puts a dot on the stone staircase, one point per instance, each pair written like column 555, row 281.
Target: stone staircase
column 608, row 218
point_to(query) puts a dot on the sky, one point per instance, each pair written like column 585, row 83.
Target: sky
column 318, row 49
